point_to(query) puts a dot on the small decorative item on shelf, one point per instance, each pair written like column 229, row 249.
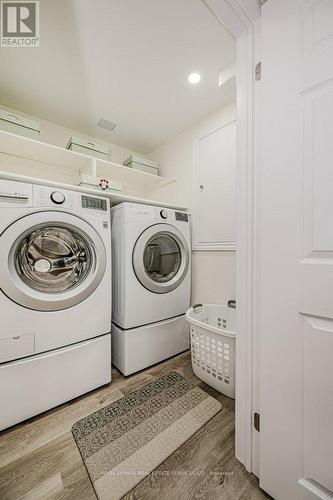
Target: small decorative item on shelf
column 17, row 124
column 105, row 184
column 143, row 164
column 88, row 147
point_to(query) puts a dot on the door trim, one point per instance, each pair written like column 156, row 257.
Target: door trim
column 242, row 19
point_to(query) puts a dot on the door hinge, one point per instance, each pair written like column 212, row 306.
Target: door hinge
column 257, row 71
column 256, row 421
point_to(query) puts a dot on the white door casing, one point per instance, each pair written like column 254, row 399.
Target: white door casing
column 19, row 290
column 296, row 438
column 242, row 19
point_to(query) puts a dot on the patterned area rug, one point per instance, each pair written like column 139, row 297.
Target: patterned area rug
column 122, row 443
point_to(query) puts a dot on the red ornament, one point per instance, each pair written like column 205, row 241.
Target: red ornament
column 103, row 184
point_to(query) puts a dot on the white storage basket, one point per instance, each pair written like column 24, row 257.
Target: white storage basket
column 213, row 345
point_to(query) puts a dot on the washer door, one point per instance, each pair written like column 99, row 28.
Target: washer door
column 54, row 260
column 161, row 258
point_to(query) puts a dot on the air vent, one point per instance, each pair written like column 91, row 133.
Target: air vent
column 107, row 124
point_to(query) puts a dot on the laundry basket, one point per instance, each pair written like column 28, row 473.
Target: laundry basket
column 213, row 345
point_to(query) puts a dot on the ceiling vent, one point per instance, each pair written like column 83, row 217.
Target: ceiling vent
column 107, row 124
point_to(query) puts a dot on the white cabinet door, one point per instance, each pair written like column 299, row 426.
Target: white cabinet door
column 214, row 189
column 296, row 327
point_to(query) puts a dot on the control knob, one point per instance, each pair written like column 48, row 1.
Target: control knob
column 57, row 197
column 164, row 214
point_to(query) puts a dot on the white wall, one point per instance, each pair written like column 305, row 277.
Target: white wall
column 213, row 273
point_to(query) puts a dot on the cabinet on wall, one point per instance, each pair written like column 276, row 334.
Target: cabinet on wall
column 215, row 189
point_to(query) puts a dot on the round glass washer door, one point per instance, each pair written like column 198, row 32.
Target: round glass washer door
column 57, row 261
column 53, row 259
column 161, row 258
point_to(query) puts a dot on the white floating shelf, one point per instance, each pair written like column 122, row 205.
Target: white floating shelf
column 116, row 198
column 129, row 175
column 18, row 148
column 22, row 147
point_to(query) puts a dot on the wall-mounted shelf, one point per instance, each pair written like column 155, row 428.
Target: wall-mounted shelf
column 129, row 175
column 18, row 148
column 22, row 147
column 116, row 198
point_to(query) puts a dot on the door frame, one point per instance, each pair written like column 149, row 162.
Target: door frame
column 242, row 19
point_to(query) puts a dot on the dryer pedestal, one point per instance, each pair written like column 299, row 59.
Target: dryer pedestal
column 137, row 348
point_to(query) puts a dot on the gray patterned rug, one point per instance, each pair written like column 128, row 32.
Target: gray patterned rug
column 125, row 441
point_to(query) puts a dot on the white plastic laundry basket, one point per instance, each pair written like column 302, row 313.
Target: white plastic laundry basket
column 213, row 345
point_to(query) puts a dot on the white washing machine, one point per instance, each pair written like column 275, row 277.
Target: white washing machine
column 151, row 284
column 55, row 298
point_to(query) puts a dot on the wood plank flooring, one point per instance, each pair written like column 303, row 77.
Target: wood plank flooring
column 39, row 458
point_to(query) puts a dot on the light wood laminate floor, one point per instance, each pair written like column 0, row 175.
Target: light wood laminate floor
column 39, row 458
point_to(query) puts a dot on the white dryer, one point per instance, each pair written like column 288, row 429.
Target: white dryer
column 151, row 284
column 55, row 299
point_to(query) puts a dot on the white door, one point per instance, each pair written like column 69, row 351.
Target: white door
column 296, row 438
column 214, row 207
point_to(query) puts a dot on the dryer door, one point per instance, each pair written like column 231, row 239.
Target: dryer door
column 51, row 261
column 161, row 258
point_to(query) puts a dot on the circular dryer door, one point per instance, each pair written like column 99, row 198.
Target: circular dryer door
column 54, row 260
column 161, row 258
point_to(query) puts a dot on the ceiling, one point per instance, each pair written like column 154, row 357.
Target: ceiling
column 127, row 60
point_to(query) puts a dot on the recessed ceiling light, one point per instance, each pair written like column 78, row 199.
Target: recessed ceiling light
column 194, row 78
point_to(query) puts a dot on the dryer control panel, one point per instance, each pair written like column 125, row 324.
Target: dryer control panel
column 169, row 215
column 150, row 214
column 181, row 216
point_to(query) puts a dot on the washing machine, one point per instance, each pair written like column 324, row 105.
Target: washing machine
column 55, row 297
column 151, row 284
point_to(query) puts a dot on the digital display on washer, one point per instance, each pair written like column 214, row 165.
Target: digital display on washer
column 94, row 203
column 180, row 216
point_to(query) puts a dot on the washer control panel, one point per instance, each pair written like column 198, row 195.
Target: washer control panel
column 45, row 196
column 94, row 203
